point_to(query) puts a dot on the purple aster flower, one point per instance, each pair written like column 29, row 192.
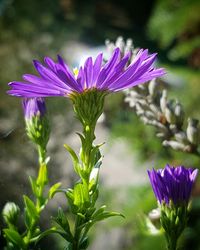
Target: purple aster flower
column 56, row 79
column 33, row 107
column 172, row 183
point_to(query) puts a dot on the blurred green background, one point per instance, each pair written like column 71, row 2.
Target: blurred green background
column 35, row 28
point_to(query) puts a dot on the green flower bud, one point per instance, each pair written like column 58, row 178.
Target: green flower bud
column 10, row 213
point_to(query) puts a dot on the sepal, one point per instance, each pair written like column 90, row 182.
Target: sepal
column 173, row 219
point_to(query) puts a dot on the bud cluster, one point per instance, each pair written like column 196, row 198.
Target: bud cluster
column 168, row 116
column 151, row 104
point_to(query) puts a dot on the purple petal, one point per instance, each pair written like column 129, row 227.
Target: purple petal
column 88, row 70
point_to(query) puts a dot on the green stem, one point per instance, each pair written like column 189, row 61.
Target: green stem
column 171, row 243
column 41, row 154
column 39, row 198
column 87, row 146
column 77, row 233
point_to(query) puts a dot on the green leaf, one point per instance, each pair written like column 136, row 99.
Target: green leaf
column 45, row 233
column 99, row 211
column 14, row 237
column 34, row 186
column 106, row 215
column 43, row 175
column 74, row 158
column 31, row 210
column 70, row 198
column 81, row 196
column 53, row 190
column 54, row 230
column 72, row 153
column 81, row 137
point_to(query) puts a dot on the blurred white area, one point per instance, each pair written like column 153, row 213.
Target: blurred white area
column 76, row 53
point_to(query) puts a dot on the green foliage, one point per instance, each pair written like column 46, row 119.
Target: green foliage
column 174, row 24
column 53, row 189
column 184, row 49
column 14, row 237
column 31, row 213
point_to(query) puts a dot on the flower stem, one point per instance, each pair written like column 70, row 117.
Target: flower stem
column 171, row 243
column 41, row 154
column 42, row 180
column 77, row 233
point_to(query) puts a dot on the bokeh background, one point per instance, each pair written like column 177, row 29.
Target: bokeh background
column 73, row 28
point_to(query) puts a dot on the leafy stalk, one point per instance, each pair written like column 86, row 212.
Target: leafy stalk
column 82, row 198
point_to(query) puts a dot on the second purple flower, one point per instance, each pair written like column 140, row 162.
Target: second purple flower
column 172, row 183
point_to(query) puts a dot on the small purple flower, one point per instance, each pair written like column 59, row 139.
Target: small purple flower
column 56, row 79
column 33, row 107
column 172, row 183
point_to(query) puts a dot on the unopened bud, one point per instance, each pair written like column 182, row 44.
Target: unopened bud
column 120, row 44
column 179, row 113
column 181, row 137
column 169, row 114
column 163, row 100
column 161, row 135
column 110, row 47
column 154, row 215
column 10, row 213
column 131, row 101
column 175, row 145
column 153, row 87
column 193, row 131
column 129, row 46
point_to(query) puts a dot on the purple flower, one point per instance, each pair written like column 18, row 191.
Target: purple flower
column 172, row 183
column 56, row 79
column 33, row 107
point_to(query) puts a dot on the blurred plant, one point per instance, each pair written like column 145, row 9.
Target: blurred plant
column 167, row 116
column 172, row 187
column 151, row 104
column 175, row 25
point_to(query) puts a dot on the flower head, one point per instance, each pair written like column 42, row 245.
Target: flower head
column 172, row 184
column 56, row 79
column 33, row 107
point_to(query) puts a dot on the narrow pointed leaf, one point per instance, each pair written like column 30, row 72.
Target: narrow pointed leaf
column 14, row 237
column 53, row 190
